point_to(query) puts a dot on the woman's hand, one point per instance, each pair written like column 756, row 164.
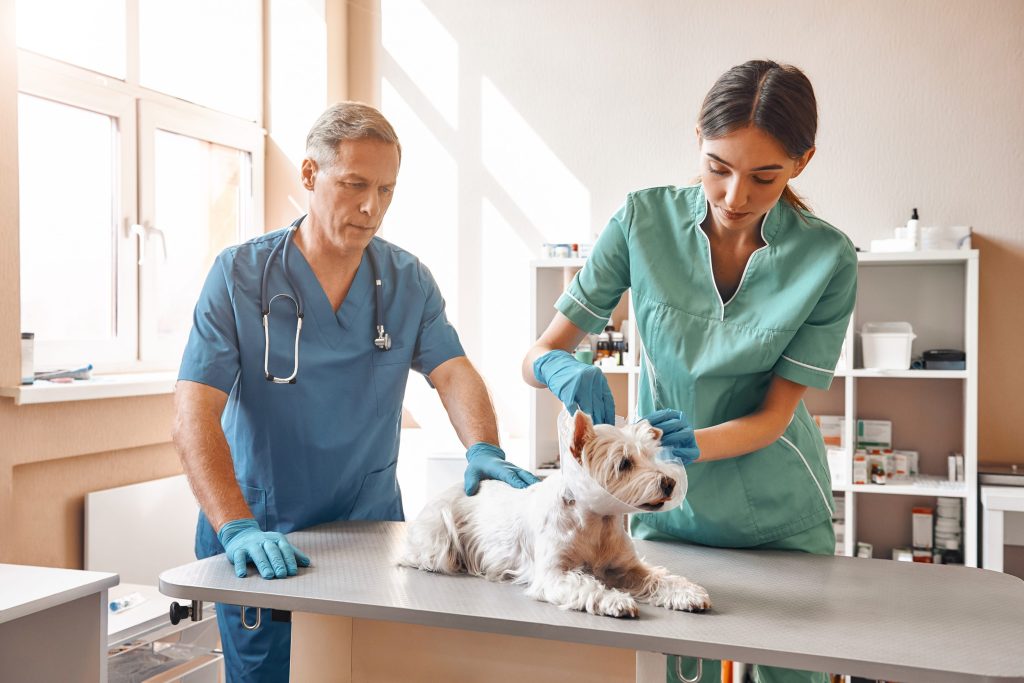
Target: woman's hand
column 576, row 384
column 676, row 435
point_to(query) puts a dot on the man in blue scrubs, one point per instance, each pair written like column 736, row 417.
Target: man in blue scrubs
column 266, row 458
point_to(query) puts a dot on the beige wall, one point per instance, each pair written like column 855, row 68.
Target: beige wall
column 920, row 105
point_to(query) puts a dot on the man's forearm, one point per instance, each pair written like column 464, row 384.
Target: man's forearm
column 465, row 398
column 206, row 458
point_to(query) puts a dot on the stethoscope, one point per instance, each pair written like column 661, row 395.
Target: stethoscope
column 382, row 341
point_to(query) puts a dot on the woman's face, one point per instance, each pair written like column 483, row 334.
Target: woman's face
column 744, row 174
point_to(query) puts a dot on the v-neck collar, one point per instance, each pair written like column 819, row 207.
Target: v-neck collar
column 769, row 229
column 334, row 326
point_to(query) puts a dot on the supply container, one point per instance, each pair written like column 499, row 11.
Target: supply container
column 27, row 360
column 886, row 346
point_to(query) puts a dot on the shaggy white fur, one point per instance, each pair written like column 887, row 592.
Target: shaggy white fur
column 542, row 538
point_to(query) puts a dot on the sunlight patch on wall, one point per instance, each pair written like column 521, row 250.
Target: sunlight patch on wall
column 505, row 288
column 551, row 197
column 425, row 51
column 298, row 73
column 423, row 217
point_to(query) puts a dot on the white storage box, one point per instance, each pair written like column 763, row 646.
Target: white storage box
column 886, row 346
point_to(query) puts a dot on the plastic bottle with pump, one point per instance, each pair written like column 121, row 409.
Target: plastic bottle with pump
column 914, row 231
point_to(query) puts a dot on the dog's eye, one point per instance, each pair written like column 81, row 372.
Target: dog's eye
column 625, row 465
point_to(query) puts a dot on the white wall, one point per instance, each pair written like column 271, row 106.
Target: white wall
column 528, row 121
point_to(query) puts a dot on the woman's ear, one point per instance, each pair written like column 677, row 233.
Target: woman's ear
column 802, row 162
column 583, row 432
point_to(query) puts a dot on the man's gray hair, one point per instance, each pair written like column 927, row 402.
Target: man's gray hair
column 347, row 121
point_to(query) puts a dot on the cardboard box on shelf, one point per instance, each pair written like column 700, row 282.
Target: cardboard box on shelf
column 922, row 527
column 833, row 430
column 874, row 434
column 839, row 466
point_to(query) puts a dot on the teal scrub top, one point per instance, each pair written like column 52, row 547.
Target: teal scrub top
column 325, row 448
column 714, row 359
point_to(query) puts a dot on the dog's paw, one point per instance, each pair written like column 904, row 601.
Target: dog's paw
column 677, row 593
column 615, row 603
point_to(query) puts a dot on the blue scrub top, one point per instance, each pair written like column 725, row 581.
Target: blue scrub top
column 325, row 448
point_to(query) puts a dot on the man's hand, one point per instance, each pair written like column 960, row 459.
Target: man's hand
column 487, row 461
column 270, row 551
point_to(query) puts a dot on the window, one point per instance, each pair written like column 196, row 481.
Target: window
column 127, row 192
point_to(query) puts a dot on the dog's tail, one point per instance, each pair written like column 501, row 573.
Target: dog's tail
column 433, row 542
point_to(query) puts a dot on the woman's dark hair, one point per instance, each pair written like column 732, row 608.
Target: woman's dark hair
column 777, row 98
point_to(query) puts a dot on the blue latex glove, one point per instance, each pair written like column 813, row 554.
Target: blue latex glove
column 487, row 461
column 576, row 383
column 270, row 551
column 677, row 434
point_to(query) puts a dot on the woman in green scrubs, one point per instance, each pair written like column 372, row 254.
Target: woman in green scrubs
column 742, row 299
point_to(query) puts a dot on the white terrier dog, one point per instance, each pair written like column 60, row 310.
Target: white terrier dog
column 545, row 538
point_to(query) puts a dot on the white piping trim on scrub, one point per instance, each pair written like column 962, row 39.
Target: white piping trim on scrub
column 824, row 498
column 711, row 269
column 584, row 307
column 746, row 267
column 809, row 367
column 652, row 378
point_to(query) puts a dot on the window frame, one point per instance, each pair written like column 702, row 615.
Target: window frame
column 140, row 111
column 215, row 127
column 37, row 80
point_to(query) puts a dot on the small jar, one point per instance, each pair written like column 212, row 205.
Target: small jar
column 27, row 360
column 584, row 353
column 604, row 348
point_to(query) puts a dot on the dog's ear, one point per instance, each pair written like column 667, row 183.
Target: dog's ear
column 654, row 432
column 583, row 432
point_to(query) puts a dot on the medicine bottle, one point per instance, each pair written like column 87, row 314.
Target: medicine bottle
column 27, row 360
column 604, row 346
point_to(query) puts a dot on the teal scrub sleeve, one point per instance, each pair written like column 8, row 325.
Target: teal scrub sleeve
column 211, row 354
column 437, row 340
column 592, row 295
column 810, row 357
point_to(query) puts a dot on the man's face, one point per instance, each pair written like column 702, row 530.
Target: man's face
column 350, row 197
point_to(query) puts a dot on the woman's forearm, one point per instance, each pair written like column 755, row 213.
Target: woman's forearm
column 739, row 437
column 755, row 431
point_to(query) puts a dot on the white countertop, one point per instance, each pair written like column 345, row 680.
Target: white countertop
column 26, row 590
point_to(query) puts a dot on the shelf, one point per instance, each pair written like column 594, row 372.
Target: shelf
column 922, row 486
column 621, row 370
column 572, row 262
column 917, row 257
column 100, row 386
column 866, row 258
column 904, row 374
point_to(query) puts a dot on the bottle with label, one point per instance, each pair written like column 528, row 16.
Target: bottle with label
column 914, row 230
column 604, row 348
column 618, row 345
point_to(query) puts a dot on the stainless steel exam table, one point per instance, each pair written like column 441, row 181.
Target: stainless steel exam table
column 873, row 618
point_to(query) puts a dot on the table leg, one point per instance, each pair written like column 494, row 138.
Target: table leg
column 992, row 527
column 650, row 667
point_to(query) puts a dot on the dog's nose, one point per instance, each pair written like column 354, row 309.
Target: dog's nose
column 668, row 485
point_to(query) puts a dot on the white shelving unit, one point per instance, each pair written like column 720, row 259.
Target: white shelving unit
column 549, row 278
column 935, row 291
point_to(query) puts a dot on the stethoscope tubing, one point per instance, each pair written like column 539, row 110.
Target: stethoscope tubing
column 382, row 340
